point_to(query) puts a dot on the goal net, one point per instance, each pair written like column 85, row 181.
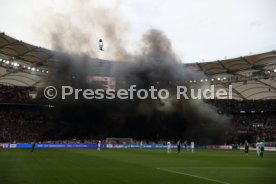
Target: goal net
column 116, row 140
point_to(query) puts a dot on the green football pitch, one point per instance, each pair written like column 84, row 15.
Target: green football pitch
column 134, row 166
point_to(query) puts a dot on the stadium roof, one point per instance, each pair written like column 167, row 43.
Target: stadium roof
column 11, row 48
column 252, row 77
column 265, row 61
column 22, row 64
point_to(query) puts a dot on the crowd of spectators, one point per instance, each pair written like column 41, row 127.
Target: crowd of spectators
column 15, row 94
column 253, row 126
column 22, row 125
column 243, row 105
column 250, row 118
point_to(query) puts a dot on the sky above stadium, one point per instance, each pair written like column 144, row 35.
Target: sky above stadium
column 198, row 29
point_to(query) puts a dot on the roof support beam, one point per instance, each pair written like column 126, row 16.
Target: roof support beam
column 244, row 59
column 7, row 74
column 267, row 84
column 235, row 91
column 40, row 63
column 22, row 54
column 37, row 82
column 221, row 64
column 201, row 68
column 2, row 46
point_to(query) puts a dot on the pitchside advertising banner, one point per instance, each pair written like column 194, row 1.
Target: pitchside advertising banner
column 146, row 146
column 23, row 145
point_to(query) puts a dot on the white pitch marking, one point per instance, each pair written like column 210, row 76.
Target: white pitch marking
column 195, row 176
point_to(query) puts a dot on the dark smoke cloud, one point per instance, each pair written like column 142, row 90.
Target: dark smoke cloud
column 155, row 64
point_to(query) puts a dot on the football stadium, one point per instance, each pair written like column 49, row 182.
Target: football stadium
column 85, row 109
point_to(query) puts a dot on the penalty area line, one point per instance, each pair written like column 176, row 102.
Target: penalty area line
column 191, row 175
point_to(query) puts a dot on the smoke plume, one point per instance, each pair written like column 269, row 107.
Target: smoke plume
column 79, row 30
column 155, row 63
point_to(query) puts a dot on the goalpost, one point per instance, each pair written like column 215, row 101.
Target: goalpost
column 117, row 140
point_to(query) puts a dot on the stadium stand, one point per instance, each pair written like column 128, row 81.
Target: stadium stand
column 22, row 124
column 15, row 94
column 235, row 106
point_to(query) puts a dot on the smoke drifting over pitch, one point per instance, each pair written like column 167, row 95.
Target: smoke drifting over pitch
column 155, row 63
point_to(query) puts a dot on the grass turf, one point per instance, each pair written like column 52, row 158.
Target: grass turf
column 118, row 166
